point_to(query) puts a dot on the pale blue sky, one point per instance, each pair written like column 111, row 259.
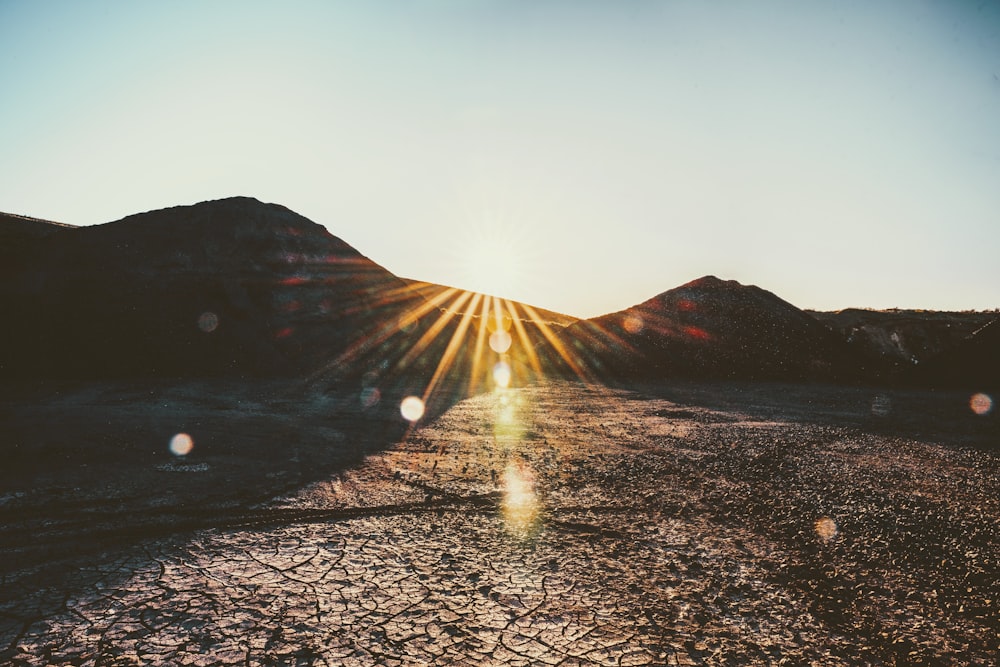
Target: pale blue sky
column 837, row 153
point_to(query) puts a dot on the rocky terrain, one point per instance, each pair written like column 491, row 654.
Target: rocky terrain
column 569, row 524
column 725, row 330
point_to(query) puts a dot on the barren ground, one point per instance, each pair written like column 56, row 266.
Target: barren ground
column 552, row 524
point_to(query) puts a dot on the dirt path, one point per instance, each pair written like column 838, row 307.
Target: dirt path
column 563, row 524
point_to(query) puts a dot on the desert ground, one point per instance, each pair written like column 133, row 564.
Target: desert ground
column 557, row 523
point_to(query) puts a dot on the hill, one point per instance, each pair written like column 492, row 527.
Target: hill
column 711, row 328
column 973, row 363
column 224, row 287
column 896, row 339
column 236, row 287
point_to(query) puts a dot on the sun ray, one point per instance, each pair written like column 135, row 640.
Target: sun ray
column 456, row 340
column 435, row 301
column 606, row 333
column 477, row 355
column 557, row 344
column 367, row 341
column 447, row 315
column 526, row 345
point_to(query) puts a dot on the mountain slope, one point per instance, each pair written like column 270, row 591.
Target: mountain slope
column 711, row 328
column 972, row 364
column 227, row 286
column 898, row 342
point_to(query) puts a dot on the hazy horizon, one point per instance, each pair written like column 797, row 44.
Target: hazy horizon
column 580, row 157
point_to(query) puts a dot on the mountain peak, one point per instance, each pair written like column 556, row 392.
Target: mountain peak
column 711, row 327
column 711, row 282
column 288, row 294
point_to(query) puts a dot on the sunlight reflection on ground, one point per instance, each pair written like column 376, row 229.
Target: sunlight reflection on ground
column 521, row 508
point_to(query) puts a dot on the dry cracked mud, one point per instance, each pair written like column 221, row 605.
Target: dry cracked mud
column 564, row 524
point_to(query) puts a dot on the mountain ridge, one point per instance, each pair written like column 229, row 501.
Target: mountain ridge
column 712, row 328
column 287, row 296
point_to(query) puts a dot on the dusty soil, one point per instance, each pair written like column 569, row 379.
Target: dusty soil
column 552, row 524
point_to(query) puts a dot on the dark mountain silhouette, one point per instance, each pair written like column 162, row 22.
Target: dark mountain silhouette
column 896, row 342
column 19, row 232
column 228, row 286
column 973, row 364
column 711, row 328
column 15, row 228
column 236, row 287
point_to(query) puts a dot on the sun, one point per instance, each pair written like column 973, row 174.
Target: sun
column 491, row 263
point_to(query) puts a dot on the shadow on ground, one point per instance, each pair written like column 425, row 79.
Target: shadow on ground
column 90, row 466
column 921, row 414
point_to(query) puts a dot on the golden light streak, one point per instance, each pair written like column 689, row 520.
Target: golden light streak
column 456, row 340
column 477, row 355
column 499, row 315
column 434, row 302
column 529, row 349
column 368, row 341
column 521, row 507
column 556, row 343
column 502, row 374
column 605, row 334
column 446, row 316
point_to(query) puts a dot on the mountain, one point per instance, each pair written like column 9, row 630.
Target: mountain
column 710, row 328
column 19, row 232
column 972, row 364
column 15, row 228
column 231, row 286
column 897, row 342
column 236, row 287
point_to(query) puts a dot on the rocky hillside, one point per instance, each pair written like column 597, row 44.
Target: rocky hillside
column 19, row 232
column 900, row 342
column 224, row 287
column 711, row 328
column 973, row 363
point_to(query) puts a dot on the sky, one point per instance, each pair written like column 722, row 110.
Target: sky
column 576, row 155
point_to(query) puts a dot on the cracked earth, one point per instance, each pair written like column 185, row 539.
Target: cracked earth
column 562, row 524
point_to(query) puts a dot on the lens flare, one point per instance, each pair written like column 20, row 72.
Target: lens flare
column 181, row 444
column 500, row 341
column 632, row 324
column 981, row 404
column 826, row 528
column 881, row 405
column 502, row 374
column 520, row 507
column 370, row 397
column 499, row 319
column 208, row 322
column 412, row 408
